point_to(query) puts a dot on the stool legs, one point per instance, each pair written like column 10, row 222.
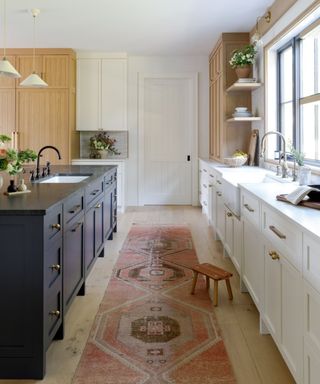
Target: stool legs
column 194, row 281
column 229, row 289
column 215, row 293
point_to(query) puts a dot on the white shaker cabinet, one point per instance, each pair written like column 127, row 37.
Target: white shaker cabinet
column 101, row 94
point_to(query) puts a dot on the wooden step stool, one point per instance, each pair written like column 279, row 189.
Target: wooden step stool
column 211, row 272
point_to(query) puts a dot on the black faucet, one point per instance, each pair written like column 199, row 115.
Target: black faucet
column 39, row 155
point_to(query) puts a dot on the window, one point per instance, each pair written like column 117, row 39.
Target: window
column 299, row 92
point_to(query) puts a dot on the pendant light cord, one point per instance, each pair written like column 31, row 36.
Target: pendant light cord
column 4, row 31
column 34, row 45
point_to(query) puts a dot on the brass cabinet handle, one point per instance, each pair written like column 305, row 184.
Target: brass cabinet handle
column 247, row 206
column 274, row 255
column 277, row 232
column 210, row 185
column 54, row 313
column 55, row 267
column 76, row 227
column 94, row 192
column 219, row 194
column 229, row 214
column 219, row 182
column 98, row 206
column 56, row 226
column 75, row 209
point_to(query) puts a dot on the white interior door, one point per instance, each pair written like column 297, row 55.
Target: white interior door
column 167, row 125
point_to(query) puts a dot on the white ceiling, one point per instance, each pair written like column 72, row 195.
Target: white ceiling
column 141, row 27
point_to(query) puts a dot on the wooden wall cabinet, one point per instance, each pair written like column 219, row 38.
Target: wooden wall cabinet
column 226, row 137
column 38, row 117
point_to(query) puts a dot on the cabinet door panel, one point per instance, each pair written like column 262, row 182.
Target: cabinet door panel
column 7, row 108
column 55, row 71
column 113, row 95
column 73, row 268
column 88, row 95
column 43, row 120
column 99, row 235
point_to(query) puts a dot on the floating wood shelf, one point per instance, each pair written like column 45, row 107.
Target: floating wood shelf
column 234, row 119
column 243, row 86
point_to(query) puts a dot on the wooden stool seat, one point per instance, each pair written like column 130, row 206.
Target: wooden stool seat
column 216, row 274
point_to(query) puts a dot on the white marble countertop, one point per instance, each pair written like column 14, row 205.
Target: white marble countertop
column 307, row 218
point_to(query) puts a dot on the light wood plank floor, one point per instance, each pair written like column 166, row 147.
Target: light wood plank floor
column 254, row 357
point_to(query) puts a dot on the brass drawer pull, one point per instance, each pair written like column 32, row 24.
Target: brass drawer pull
column 56, row 267
column 56, row 226
column 55, row 313
column 229, row 214
column 247, row 206
column 75, row 209
column 274, row 255
column 219, row 182
column 98, row 205
column 76, row 227
column 277, row 232
column 219, row 194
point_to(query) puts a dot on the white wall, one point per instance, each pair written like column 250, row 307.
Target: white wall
column 152, row 64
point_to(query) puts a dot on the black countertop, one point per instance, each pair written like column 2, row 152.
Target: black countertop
column 43, row 196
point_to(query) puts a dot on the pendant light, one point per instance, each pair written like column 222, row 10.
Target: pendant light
column 34, row 80
column 6, row 68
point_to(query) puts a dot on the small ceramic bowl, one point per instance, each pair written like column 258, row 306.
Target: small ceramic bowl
column 241, row 109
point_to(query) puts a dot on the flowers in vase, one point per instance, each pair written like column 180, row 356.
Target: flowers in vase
column 102, row 142
column 11, row 160
column 243, row 56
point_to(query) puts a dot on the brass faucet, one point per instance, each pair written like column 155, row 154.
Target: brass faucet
column 282, row 165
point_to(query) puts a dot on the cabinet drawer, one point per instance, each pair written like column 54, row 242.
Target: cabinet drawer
column 53, row 225
column 283, row 234
column 52, row 314
column 109, row 179
column 53, row 263
column 73, row 206
column 94, row 190
column 311, row 260
column 250, row 208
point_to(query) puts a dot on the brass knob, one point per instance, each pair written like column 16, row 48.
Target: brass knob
column 55, row 267
column 274, row 255
column 54, row 313
column 98, row 206
column 229, row 214
column 56, row 226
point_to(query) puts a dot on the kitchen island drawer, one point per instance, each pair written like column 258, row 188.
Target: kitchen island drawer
column 53, row 225
column 52, row 314
column 93, row 190
column 286, row 236
column 73, row 206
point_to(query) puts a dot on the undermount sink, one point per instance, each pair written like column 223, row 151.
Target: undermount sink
column 65, row 178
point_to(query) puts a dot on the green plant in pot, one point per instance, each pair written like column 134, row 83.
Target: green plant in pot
column 12, row 160
column 102, row 142
column 242, row 60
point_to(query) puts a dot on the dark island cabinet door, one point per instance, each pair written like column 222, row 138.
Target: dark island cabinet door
column 99, row 235
column 108, row 213
column 73, row 260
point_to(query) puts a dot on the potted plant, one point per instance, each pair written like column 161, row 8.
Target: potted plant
column 304, row 172
column 102, row 142
column 11, row 160
column 242, row 60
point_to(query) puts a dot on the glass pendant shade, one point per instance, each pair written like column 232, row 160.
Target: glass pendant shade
column 33, row 81
column 7, row 69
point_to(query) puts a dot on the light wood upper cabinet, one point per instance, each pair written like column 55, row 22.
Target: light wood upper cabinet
column 101, row 94
column 7, row 115
column 53, row 69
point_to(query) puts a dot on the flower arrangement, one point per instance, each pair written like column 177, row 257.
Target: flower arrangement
column 298, row 156
column 11, row 160
column 243, row 56
column 102, row 142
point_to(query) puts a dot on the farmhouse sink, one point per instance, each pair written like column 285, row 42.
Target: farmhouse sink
column 65, row 178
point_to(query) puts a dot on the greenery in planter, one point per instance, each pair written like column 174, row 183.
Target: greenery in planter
column 12, row 160
column 298, row 156
column 243, row 56
column 102, row 142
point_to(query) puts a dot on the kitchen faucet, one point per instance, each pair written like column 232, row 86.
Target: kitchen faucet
column 283, row 165
column 40, row 154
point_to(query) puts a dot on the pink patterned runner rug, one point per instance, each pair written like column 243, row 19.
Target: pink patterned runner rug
column 149, row 329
